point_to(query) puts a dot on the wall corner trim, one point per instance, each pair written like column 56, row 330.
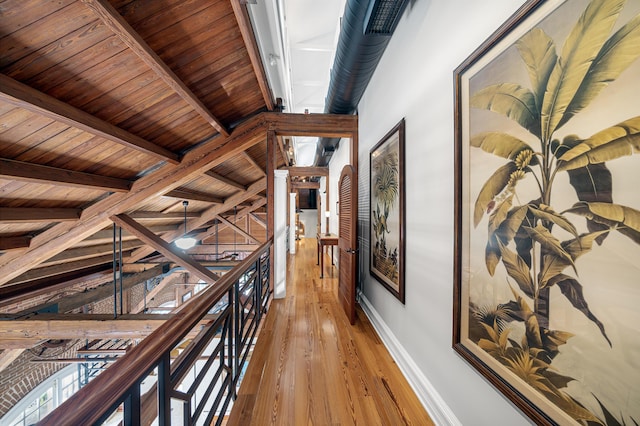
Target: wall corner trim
column 439, row 411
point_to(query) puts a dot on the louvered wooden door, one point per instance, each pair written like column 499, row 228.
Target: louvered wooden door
column 347, row 240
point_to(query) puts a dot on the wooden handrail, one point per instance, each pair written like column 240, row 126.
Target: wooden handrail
column 87, row 406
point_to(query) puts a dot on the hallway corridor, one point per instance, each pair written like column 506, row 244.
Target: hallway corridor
column 310, row 367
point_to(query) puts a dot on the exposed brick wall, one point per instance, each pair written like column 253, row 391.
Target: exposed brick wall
column 22, row 375
column 46, row 298
column 166, row 295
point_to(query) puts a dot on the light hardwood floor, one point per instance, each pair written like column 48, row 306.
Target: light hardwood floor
column 310, row 367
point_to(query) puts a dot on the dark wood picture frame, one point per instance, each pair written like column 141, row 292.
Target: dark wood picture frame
column 498, row 162
column 387, row 201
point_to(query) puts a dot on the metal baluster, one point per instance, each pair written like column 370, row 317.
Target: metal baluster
column 235, row 372
column 132, row 406
column 164, row 390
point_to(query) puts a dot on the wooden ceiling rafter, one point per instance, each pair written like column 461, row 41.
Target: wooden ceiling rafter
column 195, row 162
column 241, row 214
column 210, row 248
column 38, row 214
column 238, row 230
column 116, row 23
column 225, row 180
column 253, row 163
column 62, row 268
column 149, row 215
column 307, row 171
column 258, row 220
column 246, row 29
column 206, row 216
column 284, row 152
column 15, row 243
column 305, row 185
column 95, row 217
column 80, row 253
column 106, row 235
column 11, row 294
column 23, row 96
column 29, row 172
column 321, row 125
column 188, row 194
column 165, row 248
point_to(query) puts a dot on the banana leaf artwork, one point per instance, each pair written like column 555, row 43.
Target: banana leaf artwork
column 547, row 218
column 386, row 261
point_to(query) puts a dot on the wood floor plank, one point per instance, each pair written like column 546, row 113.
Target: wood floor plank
column 311, row 367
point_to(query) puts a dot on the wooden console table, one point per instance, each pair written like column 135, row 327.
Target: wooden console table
column 325, row 240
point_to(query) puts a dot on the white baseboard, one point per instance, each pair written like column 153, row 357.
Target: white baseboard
column 439, row 411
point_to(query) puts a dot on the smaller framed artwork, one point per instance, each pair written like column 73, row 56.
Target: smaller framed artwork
column 387, row 201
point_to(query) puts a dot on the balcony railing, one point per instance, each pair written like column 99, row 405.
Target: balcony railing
column 197, row 387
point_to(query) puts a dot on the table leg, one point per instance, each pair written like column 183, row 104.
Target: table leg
column 318, row 252
column 321, row 261
column 332, row 256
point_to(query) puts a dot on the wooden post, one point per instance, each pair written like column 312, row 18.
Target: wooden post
column 271, row 167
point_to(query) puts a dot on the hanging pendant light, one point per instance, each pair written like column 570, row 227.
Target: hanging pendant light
column 185, row 242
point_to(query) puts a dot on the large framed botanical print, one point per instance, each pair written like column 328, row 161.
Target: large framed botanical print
column 547, row 211
column 386, row 240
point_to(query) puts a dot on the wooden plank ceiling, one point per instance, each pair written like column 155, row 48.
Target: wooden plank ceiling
column 122, row 107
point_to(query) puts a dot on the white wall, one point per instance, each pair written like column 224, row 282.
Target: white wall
column 414, row 80
column 310, row 220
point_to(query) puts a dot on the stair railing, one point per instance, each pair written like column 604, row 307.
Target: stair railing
column 220, row 325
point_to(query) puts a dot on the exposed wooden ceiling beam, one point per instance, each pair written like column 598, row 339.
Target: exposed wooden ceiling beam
column 80, row 253
column 258, row 220
column 79, row 326
column 211, row 248
column 205, row 217
column 187, row 194
column 253, row 163
column 307, row 171
column 226, row 180
column 12, row 294
column 28, row 214
column 20, row 170
column 50, row 271
column 13, row 243
column 241, row 214
column 324, row 125
column 143, row 215
column 23, row 96
column 96, row 217
column 116, row 23
column 305, row 185
column 238, row 230
column 107, row 234
column 195, row 162
column 246, row 29
column 165, row 248
column 284, row 152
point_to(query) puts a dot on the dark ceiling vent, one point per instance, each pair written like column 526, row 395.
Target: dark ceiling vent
column 367, row 26
column 382, row 17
